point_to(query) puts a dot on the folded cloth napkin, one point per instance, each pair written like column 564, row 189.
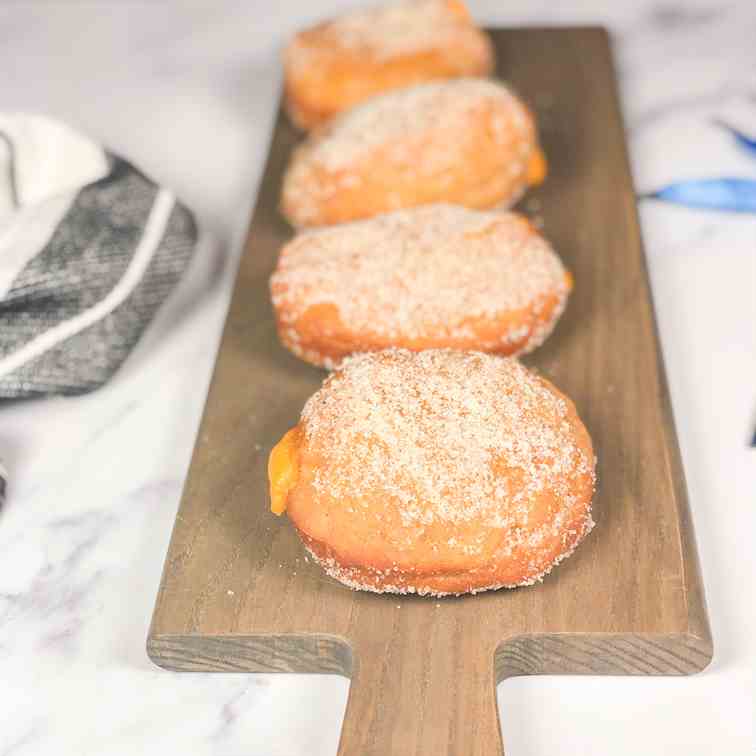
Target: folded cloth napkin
column 89, row 249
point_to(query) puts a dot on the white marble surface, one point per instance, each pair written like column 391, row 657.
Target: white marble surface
column 187, row 91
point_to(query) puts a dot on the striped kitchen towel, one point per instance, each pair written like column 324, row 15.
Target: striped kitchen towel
column 89, row 249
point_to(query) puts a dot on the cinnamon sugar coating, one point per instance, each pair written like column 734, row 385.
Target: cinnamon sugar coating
column 464, row 141
column 440, row 472
column 337, row 64
column 433, row 276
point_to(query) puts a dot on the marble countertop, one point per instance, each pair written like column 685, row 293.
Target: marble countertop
column 188, row 92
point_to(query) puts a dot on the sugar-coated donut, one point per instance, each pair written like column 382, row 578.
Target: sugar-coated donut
column 428, row 277
column 436, row 472
column 466, row 141
column 337, row 64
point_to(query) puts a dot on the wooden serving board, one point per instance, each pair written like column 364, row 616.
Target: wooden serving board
column 237, row 593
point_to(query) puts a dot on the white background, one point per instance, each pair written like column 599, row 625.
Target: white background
column 187, row 91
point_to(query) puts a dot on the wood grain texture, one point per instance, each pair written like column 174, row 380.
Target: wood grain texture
column 238, row 593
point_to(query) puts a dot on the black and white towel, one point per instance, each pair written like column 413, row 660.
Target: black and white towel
column 89, row 249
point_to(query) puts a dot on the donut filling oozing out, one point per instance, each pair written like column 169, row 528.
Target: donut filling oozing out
column 537, row 168
column 283, row 470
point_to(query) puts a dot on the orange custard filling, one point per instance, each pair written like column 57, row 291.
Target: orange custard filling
column 537, row 167
column 459, row 9
column 283, row 470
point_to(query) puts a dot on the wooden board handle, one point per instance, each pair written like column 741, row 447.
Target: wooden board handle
column 410, row 700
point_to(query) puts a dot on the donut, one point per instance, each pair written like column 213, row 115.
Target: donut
column 335, row 65
column 436, row 472
column 428, row 277
column 465, row 141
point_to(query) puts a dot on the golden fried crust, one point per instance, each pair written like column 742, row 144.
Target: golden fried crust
column 464, row 141
column 436, row 276
column 517, row 570
column 338, row 64
column 387, row 501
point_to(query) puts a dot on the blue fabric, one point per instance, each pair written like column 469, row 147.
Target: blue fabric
column 741, row 139
column 735, row 195
column 730, row 194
